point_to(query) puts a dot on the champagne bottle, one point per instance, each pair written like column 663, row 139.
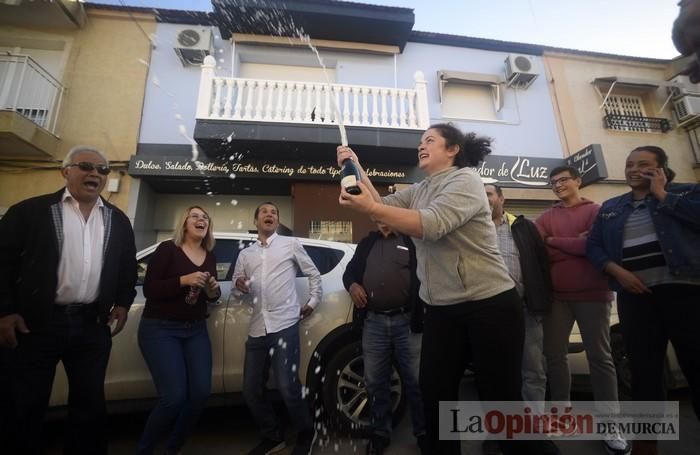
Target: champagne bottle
column 350, row 175
column 193, row 295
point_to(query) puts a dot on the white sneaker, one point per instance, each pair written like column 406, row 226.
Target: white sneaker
column 616, row 444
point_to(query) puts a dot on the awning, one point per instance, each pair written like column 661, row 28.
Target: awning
column 460, row 77
column 633, row 82
column 469, row 78
column 637, row 82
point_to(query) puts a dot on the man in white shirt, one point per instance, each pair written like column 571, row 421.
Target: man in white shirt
column 67, row 273
column 265, row 276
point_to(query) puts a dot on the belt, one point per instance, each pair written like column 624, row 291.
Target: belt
column 393, row 311
column 72, row 308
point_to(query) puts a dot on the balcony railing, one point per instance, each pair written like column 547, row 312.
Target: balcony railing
column 28, row 89
column 236, row 99
column 635, row 123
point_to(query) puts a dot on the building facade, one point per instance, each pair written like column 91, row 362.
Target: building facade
column 245, row 104
column 70, row 74
column 621, row 103
column 250, row 112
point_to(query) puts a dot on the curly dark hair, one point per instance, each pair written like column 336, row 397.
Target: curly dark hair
column 472, row 148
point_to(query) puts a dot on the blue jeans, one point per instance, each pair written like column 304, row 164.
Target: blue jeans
column 279, row 351
column 534, row 363
column 382, row 336
column 179, row 357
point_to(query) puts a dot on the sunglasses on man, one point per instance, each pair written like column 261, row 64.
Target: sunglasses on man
column 86, row 166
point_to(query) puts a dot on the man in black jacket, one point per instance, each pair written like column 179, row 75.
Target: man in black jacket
column 67, row 273
column 526, row 257
column 382, row 282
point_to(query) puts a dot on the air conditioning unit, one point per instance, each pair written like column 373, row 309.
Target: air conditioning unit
column 519, row 71
column 687, row 88
column 687, row 109
column 192, row 44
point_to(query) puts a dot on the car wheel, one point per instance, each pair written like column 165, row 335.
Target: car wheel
column 345, row 396
column 622, row 365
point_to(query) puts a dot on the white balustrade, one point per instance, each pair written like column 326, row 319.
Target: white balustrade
column 312, row 103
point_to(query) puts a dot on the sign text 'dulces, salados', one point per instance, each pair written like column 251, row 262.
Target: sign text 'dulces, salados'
column 508, row 171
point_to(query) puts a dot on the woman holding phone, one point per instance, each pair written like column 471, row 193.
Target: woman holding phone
column 180, row 280
column 648, row 242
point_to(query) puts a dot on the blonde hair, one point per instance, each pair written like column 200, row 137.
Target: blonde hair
column 179, row 237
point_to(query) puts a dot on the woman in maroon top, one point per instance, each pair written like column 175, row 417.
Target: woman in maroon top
column 180, row 280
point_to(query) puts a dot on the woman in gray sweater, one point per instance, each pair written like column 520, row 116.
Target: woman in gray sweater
column 473, row 311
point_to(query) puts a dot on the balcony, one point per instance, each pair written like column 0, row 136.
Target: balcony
column 30, row 99
column 303, row 117
column 58, row 14
column 636, row 124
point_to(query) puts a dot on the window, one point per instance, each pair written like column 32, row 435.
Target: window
column 285, row 72
column 141, row 267
column 36, row 115
column 629, row 109
column 325, row 259
column 465, row 101
column 474, row 96
column 627, row 102
column 339, row 231
column 225, row 250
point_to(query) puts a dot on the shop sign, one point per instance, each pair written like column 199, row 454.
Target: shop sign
column 590, row 163
column 183, row 167
column 508, row 171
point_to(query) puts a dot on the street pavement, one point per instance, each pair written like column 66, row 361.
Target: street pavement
column 231, row 431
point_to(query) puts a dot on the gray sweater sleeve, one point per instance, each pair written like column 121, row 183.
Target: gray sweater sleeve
column 454, row 202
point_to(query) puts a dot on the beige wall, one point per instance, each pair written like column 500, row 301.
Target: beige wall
column 105, row 83
column 580, row 119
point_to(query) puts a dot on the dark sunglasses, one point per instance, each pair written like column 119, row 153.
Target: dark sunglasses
column 89, row 167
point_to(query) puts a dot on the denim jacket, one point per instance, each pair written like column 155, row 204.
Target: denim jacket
column 676, row 221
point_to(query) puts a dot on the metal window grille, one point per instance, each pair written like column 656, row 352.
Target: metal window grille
column 340, row 231
column 628, row 114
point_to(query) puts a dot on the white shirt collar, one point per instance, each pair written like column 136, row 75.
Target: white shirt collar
column 269, row 239
column 68, row 196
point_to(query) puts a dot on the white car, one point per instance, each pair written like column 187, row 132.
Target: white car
column 331, row 355
column 331, row 359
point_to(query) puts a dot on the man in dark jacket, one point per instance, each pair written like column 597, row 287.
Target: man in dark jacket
column 67, row 272
column 382, row 282
column 525, row 256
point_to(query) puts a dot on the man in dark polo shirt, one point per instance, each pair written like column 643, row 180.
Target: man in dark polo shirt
column 382, row 282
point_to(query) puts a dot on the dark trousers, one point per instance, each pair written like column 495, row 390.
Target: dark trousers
column 278, row 351
column 83, row 345
column 491, row 333
column 649, row 321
